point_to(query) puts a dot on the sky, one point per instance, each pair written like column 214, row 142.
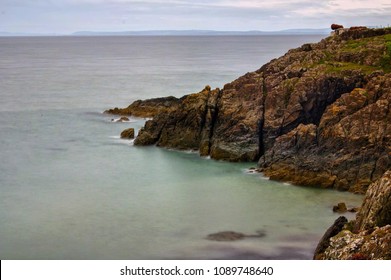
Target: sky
column 67, row 16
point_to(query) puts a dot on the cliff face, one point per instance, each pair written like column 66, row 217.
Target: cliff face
column 316, row 116
column 347, row 149
column 221, row 123
column 326, row 125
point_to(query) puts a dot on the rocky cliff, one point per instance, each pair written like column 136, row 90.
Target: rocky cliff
column 317, row 116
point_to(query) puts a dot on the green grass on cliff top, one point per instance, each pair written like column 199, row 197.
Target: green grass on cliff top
column 380, row 44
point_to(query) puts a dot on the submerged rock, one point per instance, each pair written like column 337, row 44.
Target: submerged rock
column 226, row 236
column 121, row 119
column 232, row 236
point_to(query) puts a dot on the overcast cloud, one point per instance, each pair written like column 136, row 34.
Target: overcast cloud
column 66, row 16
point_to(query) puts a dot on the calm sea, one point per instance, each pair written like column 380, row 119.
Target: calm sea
column 71, row 189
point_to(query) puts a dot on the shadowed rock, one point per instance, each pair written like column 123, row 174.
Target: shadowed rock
column 325, row 240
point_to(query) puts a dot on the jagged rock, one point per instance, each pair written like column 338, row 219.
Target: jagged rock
column 324, row 242
column 340, row 208
column 374, row 245
column 222, row 124
column 369, row 236
column 128, row 133
column 185, row 128
column 376, row 208
column 350, row 147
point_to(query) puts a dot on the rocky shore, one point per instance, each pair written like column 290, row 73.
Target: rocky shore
column 369, row 235
column 317, row 116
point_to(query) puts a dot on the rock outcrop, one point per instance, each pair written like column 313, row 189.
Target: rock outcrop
column 221, row 123
column 369, row 236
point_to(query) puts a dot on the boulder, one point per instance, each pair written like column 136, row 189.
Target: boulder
column 128, row 133
column 340, row 208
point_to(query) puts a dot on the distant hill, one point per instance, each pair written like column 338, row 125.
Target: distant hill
column 203, row 32
column 22, row 34
column 325, row 31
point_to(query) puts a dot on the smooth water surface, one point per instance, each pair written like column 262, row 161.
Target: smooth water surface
column 71, row 189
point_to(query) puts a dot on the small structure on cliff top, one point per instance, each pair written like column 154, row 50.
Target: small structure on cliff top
column 335, row 26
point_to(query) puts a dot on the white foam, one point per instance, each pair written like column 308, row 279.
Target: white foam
column 126, row 142
column 120, row 140
column 250, row 171
column 123, row 121
column 190, row 151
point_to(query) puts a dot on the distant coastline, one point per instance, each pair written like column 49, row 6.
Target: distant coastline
column 177, row 33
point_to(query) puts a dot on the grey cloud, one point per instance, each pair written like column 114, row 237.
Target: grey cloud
column 73, row 15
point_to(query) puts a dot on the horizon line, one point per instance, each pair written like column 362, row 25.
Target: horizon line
column 163, row 32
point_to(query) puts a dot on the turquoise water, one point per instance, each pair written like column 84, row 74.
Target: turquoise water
column 71, row 189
